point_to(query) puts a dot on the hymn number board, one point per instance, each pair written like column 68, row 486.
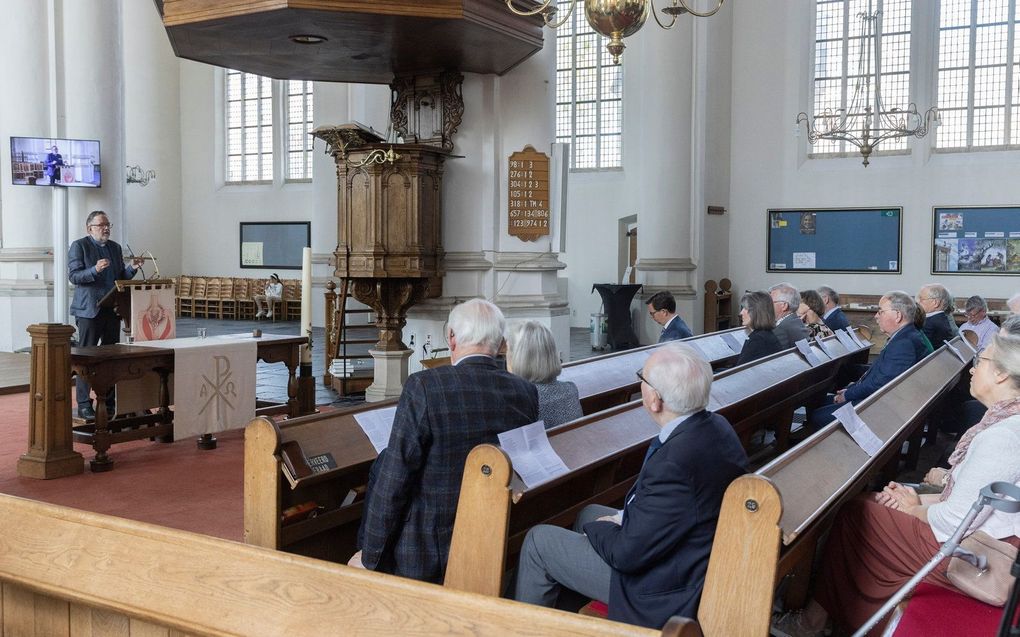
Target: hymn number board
column 529, row 194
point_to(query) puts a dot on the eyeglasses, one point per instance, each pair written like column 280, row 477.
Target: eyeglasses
column 652, row 313
column 101, row 225
column 884, row 309
column 645, row 381
column 979, row 358
column 973, row 313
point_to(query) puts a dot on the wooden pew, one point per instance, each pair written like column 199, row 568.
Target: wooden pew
column 771, row 520
column 69, row 572
column 270, row 488
column 608, row 380
column 604, row 453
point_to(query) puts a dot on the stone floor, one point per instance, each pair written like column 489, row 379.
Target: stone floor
column 271, row 379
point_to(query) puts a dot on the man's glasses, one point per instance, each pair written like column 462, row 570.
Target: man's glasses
column 101, row 225
column 645, row 381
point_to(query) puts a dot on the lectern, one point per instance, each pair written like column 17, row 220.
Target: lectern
column 119, row 296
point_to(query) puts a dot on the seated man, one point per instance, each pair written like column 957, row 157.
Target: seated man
column 978, row 322
column 442, row 415
column 789, row 328
column 937, row 304
column 648, row 562
column 834, row 318
column 662, row 309
column 904, row 348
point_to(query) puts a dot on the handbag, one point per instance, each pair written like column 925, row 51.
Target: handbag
column 992, row 584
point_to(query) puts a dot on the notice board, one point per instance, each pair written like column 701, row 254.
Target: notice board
column 274, row 244
column 976, row 240
column 834, row 240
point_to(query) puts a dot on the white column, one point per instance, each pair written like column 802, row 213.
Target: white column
column 664, row 188
column 26, row 241
column 91, row 103
column 501, row 116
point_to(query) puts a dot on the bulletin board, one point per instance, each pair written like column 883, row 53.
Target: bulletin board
column 834, row 240
column 274, row 244
column 976, row 240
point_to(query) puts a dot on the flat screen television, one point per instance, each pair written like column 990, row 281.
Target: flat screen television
column 49, row 161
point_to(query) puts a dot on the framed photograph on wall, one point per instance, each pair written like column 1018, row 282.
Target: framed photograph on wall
column 975, row 240
column 275, row 245
column 834, row 240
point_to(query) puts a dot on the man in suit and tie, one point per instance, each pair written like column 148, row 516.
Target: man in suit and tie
column 94, row 262
column 834, row 318
column 904, row 348
column 789, row 327
column 442, row 415
column 648, row 561
column 662, row 309
column 937, row 304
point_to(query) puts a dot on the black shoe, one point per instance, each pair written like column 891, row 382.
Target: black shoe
column 86, row 411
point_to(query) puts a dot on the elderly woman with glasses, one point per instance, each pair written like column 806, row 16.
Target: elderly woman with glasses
column 531, row 354
column 879, row 542
column 757, row 316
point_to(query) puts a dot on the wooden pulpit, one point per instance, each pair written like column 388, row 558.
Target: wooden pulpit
column 119, row 297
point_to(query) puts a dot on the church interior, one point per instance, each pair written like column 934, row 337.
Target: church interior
column 387, row 164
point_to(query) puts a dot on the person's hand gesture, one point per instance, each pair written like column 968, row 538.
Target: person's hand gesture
column 102, row 264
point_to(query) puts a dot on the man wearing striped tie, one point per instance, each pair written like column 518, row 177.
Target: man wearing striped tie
column 648, row 561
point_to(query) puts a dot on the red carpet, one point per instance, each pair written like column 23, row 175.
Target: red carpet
column 174, row 485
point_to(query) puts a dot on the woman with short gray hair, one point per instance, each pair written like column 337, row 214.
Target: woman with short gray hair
column 531, row 354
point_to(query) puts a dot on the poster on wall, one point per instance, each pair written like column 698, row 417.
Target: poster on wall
column 976, row 240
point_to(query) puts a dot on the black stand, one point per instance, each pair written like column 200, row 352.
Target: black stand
column 616, row 299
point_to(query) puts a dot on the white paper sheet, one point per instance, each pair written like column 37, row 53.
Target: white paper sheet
column 714, row 348
column 803, row 260
column 732, row 342
column 847, row 341
column 532, row 456
column 853, row 335
column 858, row 429
column 808, row 354
column 377, row 425
column 958, row 353
column 822, row 345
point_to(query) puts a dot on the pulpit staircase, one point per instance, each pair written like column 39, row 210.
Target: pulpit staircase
column 348, row 367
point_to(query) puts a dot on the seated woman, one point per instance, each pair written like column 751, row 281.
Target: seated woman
column 810, row 311
column 758, row 316
column 264, row 302
column 531, row 354
column 879, row 542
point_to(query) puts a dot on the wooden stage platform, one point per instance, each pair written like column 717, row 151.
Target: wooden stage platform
column 14, row 372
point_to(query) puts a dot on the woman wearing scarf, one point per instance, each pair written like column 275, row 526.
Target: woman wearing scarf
column 879, row 542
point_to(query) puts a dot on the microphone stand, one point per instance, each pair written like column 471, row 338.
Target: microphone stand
column 1002, row 496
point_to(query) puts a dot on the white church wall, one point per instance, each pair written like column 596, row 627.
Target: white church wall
column 769, row 169
column 151, row 217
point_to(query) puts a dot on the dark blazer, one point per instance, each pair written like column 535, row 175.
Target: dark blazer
column 938, row 330
column 901, row 352
column 675, row 330
column 790, row 330
column 89, row 285
column 759, row 344
column 442, row 415
column 837, row 320
column 659, row 555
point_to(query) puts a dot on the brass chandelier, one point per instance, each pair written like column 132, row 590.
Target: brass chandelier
column 616, row 19
column 866, row 122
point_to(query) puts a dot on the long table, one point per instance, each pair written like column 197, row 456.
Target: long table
column 104, row 366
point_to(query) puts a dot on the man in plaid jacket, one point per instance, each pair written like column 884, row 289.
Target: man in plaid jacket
column 442, row 415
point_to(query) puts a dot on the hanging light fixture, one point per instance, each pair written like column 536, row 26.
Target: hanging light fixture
column 866, row 122
column 616, row 19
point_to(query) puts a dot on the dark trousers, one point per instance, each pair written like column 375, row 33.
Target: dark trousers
column 104, row 329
